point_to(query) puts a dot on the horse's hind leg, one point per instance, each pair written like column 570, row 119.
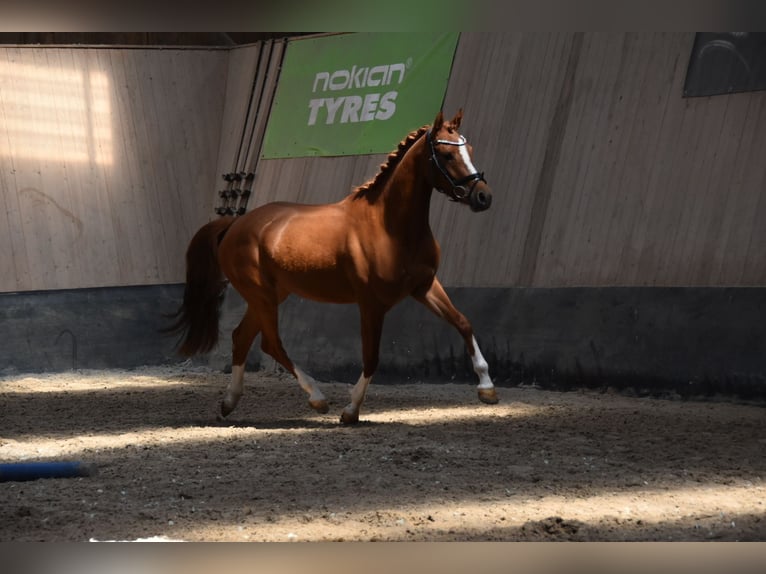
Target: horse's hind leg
column 372, row 327
column 271, row 343
column 241, row 340
column 437, row 300
column 317, row 400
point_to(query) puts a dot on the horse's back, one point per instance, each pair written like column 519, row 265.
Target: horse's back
column 301, row 248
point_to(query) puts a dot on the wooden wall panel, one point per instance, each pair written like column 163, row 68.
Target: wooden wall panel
column 253, row 75
column 242, row 67
column 267, row 77
column 516, row 130
column 645, row 179
column 308, row 180
column 649, row 188
column 603, row 173
column 107, row 162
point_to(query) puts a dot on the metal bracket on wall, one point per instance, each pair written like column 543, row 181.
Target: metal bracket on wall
column 239, row 182
column 238, row 190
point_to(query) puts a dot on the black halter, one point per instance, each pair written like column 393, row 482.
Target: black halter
column 459, row 191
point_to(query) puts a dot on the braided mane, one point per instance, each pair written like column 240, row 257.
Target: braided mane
column 387, row 168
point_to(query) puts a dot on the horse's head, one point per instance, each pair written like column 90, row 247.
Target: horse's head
column 452, row 159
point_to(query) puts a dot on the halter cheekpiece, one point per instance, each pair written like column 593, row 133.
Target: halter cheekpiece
column 459, row 190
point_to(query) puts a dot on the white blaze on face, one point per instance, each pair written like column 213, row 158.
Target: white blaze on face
column 467, row 159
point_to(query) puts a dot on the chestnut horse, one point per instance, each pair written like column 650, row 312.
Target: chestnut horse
column 372, row 248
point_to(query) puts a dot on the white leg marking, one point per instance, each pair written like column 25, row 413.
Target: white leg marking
column 357, row 395
column 480, row 367
column 235, row 388
column 309, row 385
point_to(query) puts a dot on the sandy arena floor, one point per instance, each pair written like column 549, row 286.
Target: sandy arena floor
column 428, row 462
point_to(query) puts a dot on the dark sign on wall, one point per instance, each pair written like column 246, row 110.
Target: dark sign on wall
column 725, row 63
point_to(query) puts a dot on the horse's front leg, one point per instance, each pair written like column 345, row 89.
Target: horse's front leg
column 372, row 326
column 437, row 300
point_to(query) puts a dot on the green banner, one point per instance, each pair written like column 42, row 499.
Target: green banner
column 356, row 94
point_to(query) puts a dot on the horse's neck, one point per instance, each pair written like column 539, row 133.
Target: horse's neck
column 406, row 197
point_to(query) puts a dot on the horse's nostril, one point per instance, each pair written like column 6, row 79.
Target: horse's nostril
column 480, row 201
column 483, row 199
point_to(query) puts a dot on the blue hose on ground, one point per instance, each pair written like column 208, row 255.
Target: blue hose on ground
column 20, row 471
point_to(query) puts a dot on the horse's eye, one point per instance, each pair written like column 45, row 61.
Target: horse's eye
column 447, row 157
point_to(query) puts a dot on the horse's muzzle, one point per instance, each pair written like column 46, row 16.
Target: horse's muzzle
column 480, row 199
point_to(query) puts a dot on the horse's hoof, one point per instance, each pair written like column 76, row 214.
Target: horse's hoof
column 320, row 406
column 488, row 396
column 225, row 411
column 347, row 418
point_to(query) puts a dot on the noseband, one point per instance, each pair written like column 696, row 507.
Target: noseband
column 459, row 191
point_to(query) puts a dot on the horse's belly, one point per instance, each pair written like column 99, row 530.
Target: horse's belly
column 323, row 286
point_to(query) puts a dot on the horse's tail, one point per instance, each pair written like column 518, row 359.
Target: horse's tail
column 196, row 320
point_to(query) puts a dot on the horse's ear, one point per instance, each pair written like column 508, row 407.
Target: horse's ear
column 438, row 122
column 457, row 119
